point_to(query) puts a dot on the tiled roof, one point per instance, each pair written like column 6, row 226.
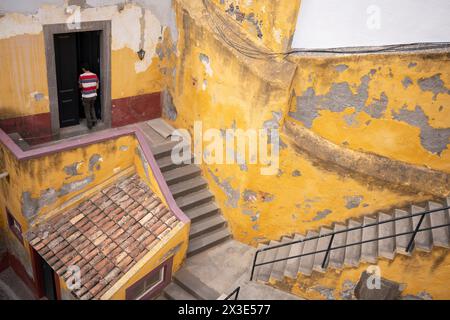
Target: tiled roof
column 104, row 236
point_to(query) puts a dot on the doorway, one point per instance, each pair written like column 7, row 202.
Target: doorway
column 45, row 278
column 67, row 48
column 71, row 51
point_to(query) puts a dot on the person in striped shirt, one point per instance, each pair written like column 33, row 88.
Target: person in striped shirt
column 89, row 84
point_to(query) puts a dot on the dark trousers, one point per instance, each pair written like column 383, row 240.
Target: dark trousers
column 89, row 111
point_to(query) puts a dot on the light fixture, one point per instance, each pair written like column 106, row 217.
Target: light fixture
column 141, row 54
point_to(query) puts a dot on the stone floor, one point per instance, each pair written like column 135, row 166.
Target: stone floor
column 12, row 287
column 227, row 266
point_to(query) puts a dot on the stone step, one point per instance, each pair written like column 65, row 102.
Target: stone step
column 424, row 239
column 203, row 226
column 174, row 292
column 279, row 267
column 181, row 174
column 188, row 186
column 266, row 270
column 165, row 163
column 441, row 236
column 194, row 199
column 403, row 225
column 259, row 259
column 194, row 286
column 386, row 247
column 307, row 261
column 292, row 265
column 202, row 211
column 162, row 150
column 353, row 253
column 161, row 297
column 337, row 256
column 369, row 250
column 322, row 244
column 207, row 240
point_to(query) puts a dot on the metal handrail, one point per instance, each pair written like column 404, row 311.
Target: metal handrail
column 235, row 293
column 332, row 234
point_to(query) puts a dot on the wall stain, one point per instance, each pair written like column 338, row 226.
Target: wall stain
column 433, row 84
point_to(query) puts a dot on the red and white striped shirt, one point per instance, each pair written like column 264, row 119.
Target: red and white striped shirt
column 88, row 82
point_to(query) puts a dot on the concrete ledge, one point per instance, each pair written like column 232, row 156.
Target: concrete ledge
column 391, row 173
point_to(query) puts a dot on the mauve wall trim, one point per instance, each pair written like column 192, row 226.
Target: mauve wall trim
column 98, row 137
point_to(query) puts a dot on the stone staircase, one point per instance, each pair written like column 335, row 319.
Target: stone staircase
column 190, row 190
column 352, row 256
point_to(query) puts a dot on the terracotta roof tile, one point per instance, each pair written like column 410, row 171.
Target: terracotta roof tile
column 104, row 235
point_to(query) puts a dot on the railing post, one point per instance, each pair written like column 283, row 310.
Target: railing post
column 328, row 251
column 411, row 241
column 253, row 266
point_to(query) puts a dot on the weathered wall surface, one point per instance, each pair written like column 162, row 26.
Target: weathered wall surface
column 421, row 276
column 394, row 105
column 268, row 22
column 136, row 84
column 223, row 89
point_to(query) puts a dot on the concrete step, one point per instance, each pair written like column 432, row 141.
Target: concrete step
column 162, row 150
column 441, row 236
column 207, row 240
column 266, row 270
column 386, row 247
column 353, row 253
column 202, row 211
column 369, row 250
column 165, row 163
column 259, row 259
column 161, row 297
column 279, row 267
column 307, row 262
column 337, row 256
column 194, row 199
column 174, row 292
column 181, row 174
column 292, row 265
column 424, row 239
column 188, row 186
column 194, row 286
column 322, row 244
column 203, row 226
column 403, row 225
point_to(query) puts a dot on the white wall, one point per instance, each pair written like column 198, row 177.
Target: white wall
column 348, row 23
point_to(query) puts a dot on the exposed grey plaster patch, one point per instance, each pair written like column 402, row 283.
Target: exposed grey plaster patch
column 169, row 110
column 31, row 206
column 255, row 227
column 267, row 197
column 247, row 212
column 296, row 173
column 249, row 195
column 348, row 288
column 326, row 292
column 322, row 214
column 280, row 173
column 434, row 140
column 144, row 162
column 341, row 67
column 203, row 58
column 233, row 195
column 350, row 119
column 412, row 65
column 274, row 122
column 72, row 169
column 123, row 148
column 352, row 202
column 423, row 295
column 433, row 84
column 407, row 82
column 80, row 3
column 38, row 96
column 339, row 97
column 94, row 161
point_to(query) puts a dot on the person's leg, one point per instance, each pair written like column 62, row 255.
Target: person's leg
column 87, row 112
column 93, row 115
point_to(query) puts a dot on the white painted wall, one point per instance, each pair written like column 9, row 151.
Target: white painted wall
column 349, row 23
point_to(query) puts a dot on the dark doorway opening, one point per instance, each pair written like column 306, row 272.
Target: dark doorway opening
column 71, row 51
column 45, row 278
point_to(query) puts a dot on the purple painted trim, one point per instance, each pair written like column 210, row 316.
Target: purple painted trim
column 97, row 137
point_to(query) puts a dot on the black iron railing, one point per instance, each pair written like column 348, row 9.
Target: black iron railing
column 409, row 247
column 235, row 293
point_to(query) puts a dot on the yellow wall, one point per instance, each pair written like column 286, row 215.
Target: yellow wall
column 405, row 127
column 276, row 20
column 304, row 194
